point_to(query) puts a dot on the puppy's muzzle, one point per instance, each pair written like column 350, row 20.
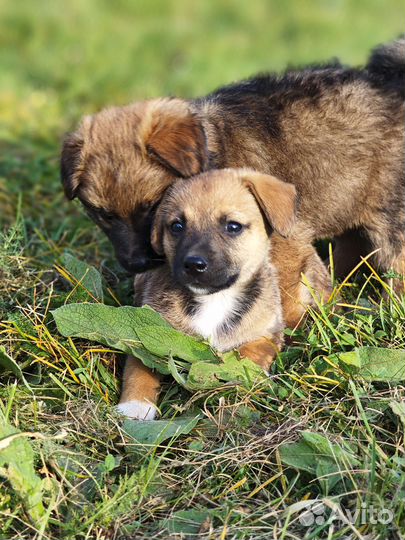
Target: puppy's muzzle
column 195, row 265
column 135, row 265
column 201, row 275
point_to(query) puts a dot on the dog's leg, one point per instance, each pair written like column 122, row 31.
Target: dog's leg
column 390, row 242
column 317, row 277
column 397, row 264
column 348, row 250
column 140, row 389
column 262, row 351
column 293, row 258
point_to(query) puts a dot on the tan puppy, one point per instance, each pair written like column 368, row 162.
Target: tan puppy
column 336, row 134
column 226, row 278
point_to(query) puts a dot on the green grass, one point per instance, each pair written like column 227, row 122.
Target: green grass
column 58, row 61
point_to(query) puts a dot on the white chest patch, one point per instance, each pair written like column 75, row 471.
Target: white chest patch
column 212, row 311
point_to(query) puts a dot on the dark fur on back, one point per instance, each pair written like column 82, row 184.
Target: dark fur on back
column 294, row 84
column 261, row 102
column 386, row 66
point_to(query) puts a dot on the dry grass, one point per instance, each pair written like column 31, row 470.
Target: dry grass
column 59, row 61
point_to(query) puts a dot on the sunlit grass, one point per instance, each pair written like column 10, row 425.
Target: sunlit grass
column 58, row 61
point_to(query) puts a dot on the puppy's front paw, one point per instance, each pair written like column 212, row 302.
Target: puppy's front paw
column 140, row 410
column 262, row 351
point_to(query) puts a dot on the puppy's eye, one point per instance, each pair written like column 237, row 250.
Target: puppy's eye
column 233, row 227
column 177, row 227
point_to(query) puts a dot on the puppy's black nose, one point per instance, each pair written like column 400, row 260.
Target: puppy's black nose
column 194, row 264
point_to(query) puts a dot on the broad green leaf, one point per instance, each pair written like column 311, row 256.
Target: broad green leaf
column 323, row 446
column 318, row 456
column 161, row 339
column 17, row 466
column 89, row 280
column 332, row 459
column 204, row 375
column 131, row 330
column 186, row 522
column 348, row 359
column 150, row 360
column 374, row 363
column 143, row 333
column 348, row 339
column 299, row 455
column 154, row 432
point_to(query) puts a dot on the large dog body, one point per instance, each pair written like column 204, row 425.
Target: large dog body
column 245, row 291
column 336, row 134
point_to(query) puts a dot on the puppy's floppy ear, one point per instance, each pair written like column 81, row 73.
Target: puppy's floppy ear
column 276, row 199
column 177, row 139
column 69, row 164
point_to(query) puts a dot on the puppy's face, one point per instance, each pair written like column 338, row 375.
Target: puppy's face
column 214, row 228
column 119, row 164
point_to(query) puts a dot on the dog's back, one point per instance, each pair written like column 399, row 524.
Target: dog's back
column 386, row 66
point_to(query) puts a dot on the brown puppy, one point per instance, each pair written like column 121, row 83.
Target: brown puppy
column 336, row 133
column 226, row 277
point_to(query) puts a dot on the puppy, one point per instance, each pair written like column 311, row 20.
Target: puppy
column 336, row 134
column 225, row 276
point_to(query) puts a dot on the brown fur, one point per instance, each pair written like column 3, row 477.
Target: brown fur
column 276, row 199
column 138, row 380
column 269, row 286
column 293, row 258
column 336, row 134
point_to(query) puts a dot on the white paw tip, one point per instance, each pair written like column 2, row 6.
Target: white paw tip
column 141, row 410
